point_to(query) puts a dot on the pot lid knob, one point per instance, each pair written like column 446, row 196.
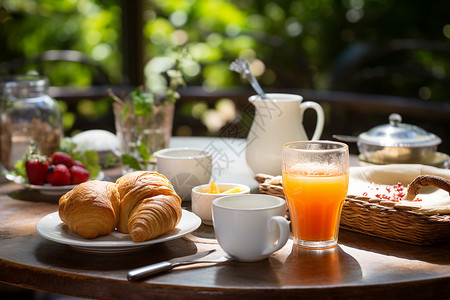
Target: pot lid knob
column 395, row 119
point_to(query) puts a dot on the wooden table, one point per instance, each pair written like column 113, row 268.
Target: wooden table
column 360, row 267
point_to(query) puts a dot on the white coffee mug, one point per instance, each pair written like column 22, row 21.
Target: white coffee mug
column 185, row 168
column 250, row 227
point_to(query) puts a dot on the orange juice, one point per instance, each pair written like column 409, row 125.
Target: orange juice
column 315, row 203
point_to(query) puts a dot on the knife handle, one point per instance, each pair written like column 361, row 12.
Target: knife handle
column 146, row 271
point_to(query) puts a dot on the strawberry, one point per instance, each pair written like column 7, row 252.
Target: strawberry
column 36, row 168
column 78, row 174
column 62, row 158
column 78, row 163
column 58, row 175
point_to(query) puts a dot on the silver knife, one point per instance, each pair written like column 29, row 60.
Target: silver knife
column 168, row 265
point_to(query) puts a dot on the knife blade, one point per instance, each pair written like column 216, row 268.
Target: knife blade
column 167, row 265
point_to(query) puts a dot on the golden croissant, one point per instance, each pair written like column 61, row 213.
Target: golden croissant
column 91, row 208
column 149, row 205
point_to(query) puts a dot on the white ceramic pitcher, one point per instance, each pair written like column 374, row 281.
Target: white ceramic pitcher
column 278, row 120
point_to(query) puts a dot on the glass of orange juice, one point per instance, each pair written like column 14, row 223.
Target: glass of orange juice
column 315, row 182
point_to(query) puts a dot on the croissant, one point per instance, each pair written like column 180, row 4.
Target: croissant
column 149, row 205
column 91, row 208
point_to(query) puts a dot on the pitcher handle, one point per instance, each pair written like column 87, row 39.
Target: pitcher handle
column 320, row 117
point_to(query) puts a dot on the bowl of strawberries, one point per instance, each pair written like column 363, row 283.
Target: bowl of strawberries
column 57, row 173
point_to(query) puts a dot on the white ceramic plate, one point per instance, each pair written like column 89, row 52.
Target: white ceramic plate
column 52, row 228
column 47, row 189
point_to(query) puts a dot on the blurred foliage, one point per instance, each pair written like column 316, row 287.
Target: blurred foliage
column 29, row 28
column 307, row 43
column 300, row 43
column 310, row 44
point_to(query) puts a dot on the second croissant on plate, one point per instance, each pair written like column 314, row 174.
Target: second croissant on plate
column 149, row 205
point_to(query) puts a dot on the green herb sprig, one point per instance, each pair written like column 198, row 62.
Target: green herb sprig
column 89, row 158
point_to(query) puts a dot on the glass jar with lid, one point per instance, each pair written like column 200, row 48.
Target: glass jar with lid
column 27, row 113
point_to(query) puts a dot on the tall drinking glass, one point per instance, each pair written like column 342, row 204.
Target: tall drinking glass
column 315, row 182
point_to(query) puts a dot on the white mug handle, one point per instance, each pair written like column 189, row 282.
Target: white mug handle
column 283, row 233
column 320, row 117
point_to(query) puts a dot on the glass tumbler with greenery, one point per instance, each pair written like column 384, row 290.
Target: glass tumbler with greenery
column 143, row 121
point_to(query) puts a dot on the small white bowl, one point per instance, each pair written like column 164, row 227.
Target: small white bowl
column 202, row 201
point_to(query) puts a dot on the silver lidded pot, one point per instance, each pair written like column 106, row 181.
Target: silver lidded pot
column 395, row 142
column 27, row 113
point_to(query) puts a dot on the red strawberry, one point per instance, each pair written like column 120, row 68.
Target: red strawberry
column 78, row 174
column 78, row 163
column 62, row 158
column 58, row 175
column 36, row 168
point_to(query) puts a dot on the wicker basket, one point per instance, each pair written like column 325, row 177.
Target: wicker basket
column 385, row 219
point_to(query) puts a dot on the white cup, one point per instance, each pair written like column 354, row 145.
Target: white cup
column 185, row 168
column 250, row 227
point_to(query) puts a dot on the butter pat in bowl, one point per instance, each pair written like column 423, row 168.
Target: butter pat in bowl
column 203, row 196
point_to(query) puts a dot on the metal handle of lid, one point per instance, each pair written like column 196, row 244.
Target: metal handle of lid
column 395, row 119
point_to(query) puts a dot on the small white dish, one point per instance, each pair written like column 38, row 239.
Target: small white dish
column 202, row 200
column 47, row 189
column 52, row 228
